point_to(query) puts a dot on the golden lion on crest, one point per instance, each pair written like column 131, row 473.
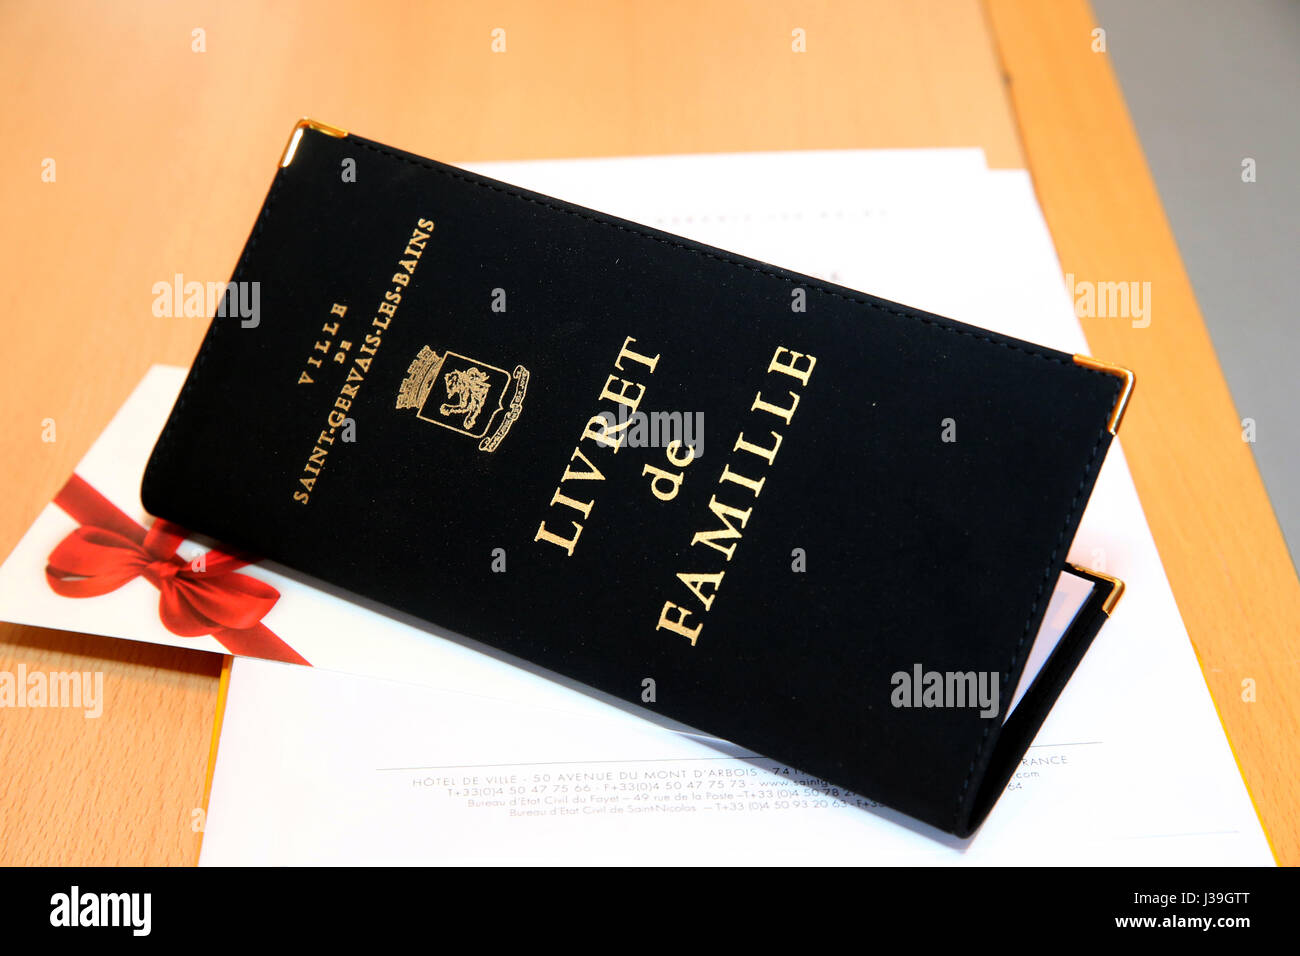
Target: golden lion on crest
column 470, row 389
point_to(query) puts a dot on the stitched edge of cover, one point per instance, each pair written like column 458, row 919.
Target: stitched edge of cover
column 646, row 233
column 161, row 452
column 1021, row 645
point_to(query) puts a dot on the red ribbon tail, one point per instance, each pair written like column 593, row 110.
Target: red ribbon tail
column 87, row 506
column 258, row 641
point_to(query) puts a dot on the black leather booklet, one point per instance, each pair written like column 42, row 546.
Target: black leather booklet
column 738, row 497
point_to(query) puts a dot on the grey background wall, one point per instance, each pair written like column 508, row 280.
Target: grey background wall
column 1211, row 83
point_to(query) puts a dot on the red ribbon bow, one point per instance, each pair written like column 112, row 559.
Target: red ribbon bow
column 202, row 597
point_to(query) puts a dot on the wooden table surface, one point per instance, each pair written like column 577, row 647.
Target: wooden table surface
column 163, row 154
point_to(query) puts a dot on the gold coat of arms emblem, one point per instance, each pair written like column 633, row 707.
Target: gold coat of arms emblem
column 464, row 395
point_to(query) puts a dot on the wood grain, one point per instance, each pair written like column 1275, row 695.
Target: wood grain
column 1207, row 507
column 121, row 788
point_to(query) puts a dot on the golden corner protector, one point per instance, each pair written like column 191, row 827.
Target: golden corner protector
column 299, row 128
column 1116, row 587
column 1129, row 379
